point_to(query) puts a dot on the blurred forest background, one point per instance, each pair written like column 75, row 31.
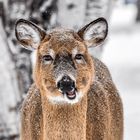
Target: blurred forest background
column 120, row 53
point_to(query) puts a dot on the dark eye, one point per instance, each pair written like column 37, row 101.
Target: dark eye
column 79, row 56
column 47, row 58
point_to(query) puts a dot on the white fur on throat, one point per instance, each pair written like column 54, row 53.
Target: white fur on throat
column 64, row 99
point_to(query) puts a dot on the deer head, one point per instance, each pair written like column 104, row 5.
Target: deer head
column 64, row 69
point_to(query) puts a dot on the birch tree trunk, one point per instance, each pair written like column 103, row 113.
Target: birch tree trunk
column 9, row 92
column 138, row 11
column 71, row 13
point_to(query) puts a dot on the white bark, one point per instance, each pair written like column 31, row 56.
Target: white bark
column 9, row 93
column 97, row 8
column 71, row 13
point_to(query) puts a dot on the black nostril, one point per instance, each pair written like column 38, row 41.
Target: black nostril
column 66, row 84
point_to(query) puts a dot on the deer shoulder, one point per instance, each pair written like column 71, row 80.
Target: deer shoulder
column 31, row 115
column 104, row 101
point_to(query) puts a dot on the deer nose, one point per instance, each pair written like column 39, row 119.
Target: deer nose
column 66, row 84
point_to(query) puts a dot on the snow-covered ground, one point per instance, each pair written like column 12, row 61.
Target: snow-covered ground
column 122, row 56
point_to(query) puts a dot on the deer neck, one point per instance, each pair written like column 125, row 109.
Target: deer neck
column 64, row 121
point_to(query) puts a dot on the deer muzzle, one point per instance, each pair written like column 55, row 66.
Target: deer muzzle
column 67, row 86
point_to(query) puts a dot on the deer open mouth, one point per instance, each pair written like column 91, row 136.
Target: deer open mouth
column 71, row 94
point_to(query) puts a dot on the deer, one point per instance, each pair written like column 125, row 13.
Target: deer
column 73, row 96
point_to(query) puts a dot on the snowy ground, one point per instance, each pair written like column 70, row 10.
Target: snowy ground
column 122, row 55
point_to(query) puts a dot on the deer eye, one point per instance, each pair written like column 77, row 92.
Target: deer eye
column 47, row 58
column 79, row 57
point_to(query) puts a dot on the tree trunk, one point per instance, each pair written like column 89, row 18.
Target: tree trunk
column 138, row 11
column 9, row 92
column 71, row 13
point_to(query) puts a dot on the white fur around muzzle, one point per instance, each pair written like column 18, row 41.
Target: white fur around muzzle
column 64, row 100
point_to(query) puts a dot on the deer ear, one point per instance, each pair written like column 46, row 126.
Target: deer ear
column 29, row 34
column 95, row 32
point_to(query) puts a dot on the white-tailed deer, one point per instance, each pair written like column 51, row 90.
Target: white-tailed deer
column 73, row 96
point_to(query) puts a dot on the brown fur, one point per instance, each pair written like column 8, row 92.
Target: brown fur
column 102, row 115
column 62, row 44
column 97, row 116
